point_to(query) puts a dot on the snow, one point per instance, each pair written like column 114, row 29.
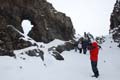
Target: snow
column 76, row 66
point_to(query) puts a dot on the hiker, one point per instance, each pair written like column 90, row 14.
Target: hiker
column 85, row 43
column 80, row 45
column 94, row 50
column 76, row 45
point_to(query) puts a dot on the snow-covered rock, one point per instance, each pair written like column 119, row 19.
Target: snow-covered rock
column 75, row 66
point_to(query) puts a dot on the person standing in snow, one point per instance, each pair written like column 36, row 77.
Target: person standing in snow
column 80, row 45
column 76, row 45
column 85, row 43
column 94, row 50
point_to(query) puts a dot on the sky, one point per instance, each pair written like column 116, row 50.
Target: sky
column 87, row 15
column 27, row 26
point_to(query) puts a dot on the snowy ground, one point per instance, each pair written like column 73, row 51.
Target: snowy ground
column 76, row 66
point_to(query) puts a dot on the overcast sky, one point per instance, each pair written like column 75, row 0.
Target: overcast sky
column 87, row 15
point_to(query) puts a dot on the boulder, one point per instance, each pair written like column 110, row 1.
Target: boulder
column 36, row 53
column 55, row 53
column 67, row 46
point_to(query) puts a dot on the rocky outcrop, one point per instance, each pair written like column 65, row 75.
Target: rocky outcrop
column 48, row 23
column 4, row 52
column 67, row 46
column 36, row 52
column 55, row 53
column 57, row 50
column 115, row 22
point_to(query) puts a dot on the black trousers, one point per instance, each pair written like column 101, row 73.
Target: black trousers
column 84, row 50
column 80, row 50
column 94, row 68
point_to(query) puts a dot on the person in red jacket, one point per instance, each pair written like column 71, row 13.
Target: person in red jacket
column 94, row 50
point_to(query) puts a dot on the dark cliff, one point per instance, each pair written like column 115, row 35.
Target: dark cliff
column 115, row 22
column 48, row 23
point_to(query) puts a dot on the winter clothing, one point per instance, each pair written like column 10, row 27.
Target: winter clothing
column 85, row 43
column 95, row 69
column 93, row 47
column 80, row 50
column 94, row 52
column 80, row 46
column 76, row 45
column 84, row 50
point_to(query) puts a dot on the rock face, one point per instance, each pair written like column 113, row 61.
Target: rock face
column 48, row 23
column 67, row 46
column 115, row 21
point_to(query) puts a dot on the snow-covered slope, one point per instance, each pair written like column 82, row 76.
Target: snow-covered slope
column 76, row 66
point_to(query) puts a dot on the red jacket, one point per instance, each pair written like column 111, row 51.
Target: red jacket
column 94, row 52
